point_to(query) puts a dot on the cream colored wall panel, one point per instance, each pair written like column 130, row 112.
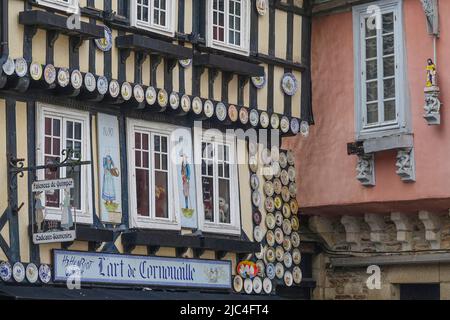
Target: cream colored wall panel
column 247, row 93
column 115, row 5
column 61, row 51
column 3, row 173
column 46, row 251
column 166, row 252
column 15, row 29
column 175, row 16
column 217, row 88
column 188, row 80
column 208, row 254
column 5, row 235
column 140, row 250
column 244, row 189
column 262, row 93
column 79, row 246
column 146, row 71
column 281, row 34
column 82, row 3
column 278, row 94
column 263, row 34
column 297, row 98
column 176, row 78
column 118, row 243
column 233, row 90
column 129, row 67
column 297, row 43
column 204, row 84
column 188, row 16
column 99, row 4
column 160, row 75
column 39, row 46
column 84, row 56
column 114, row 57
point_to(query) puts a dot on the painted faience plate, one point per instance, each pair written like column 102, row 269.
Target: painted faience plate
column 221, row 111
column 90, row 83
column 197, row 105
column 291, row 173
column 256, row 198
column 287, row 244
column 267, row 285
column 32, row 273
column 279, row 270
column 76, row 79
column 21, row 67
column 5, row 271
column 290, row 158
column 150, row 95
column 296, row 256
column 279, row 253
column 252, row 147
column 279, row 236
column 261, row 268
column 233, row 114
column 264, row 120
column 253, row 163
column 126, row 91
column 208, row 108
column 288, row 278
column 269, row 204
column 276, row 169
column 270, row 271
column 270, row 256
column 304, row 128
column 36, row 71
column 270, row 238
column 295, row 125
column 63, row 77
column 102, row 85
column 284, row 124
column 248, row 286
column 278, row 202
column 266, row 156
column 185, row 62
column 259, row 82
column 185, row 103
column 254, row 117
column 49, row 74
column 268, row 188
column 286, row 210
column 254, row 181
column 283, row 160
column 257, row 285
column 18, row 272
column 297, row 274
column 105, row 43
column 258, row 233
column 277, row 185
column 270, row 221
column 114, row 88
column 285, row 194
column 278, row 219
column 294, row 206
column 261, row 253
column 45, row 273
column 295, row 223
column 262, row 6
column 238, row 283
column 138, row 93
column 174, row 100
column 9, row 67
column 267, row 172
column 243, row 115
column 275, row 121
column 287, row 227
column 163, row 98
column 293, row 189
column 284, row 177
column 275, row 153
column 257, row 217
column 287, row 259
column 289, row 84
column 295, row 239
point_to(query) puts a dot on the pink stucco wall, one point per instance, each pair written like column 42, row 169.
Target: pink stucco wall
column 326, row 174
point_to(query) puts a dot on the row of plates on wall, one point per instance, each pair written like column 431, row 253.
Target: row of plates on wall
column 29, row 272
column 18, row 74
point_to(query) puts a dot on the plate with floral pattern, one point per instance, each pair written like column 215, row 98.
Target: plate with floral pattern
column 270, row 238
column 296, row 256
column 294, row 206
column 233, row 114
column 267, row 285
column 248, row 285
column 297, row 274
column 5, row 271
column 197, row 105
column 49, row 74
column 279, row 270
column 125, row 90
column 254, row 117
column 293, row 189
column 185, row 103
column 289, row 84
column 256, row 198
column 21, row 67
column 254, row 181
column 32, row 273
column 304, row 128
column 295, row 125
column 279, row 253
column 138, row 93
column 284, row 124
column 287, row 259
column 287, row 244
column 287, row 227
column 63, row 77
column 258, row 234
column 295, row 223
column 284, row 177
column 221, row 111
column 174, row 100
column 238, row 283
column 278, row 202
column 277, row 185
column 261, row 268
column 264, row 120
column 208, row 108
column 243, row 115
column 286, row 210
column 150, row 95
column 279, row 236
column 163, row 98
column 270, row 271
column 295, row 239
column 269, row 204
column 291, row 173
column 283, row 160
column 268, row 188
column 18, row 272
column 288, row 279
column 285, row 194
column 278, row 219
column 45, row 273
column 270, row 221
column 270, row 256
column 257, row 285
column 275, row 121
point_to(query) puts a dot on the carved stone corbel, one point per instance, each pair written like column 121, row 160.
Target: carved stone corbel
column 352, row 226
column 432, row 106
column 432, row 223
column 404, row 228
column 405, row 164
column 377, row 226
column 366, row 169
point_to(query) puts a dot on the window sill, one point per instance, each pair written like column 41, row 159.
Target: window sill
column 388, row 142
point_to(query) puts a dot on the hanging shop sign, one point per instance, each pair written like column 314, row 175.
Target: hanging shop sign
column 142, row 270
column 109, row 168
column 105, row 44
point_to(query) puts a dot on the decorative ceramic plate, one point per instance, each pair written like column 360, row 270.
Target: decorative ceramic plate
column 261, row 253
column 252, row 147
column 21, row 67
column 9, row 67
column 185, row 62
column 254, row 117
column 256, row 198
column 18, row 272
column 259, row 82
column 266, row 156
column 288, row 279
column 248, row 286
column 264, row 120
column 270, row 256
column 5, row 271
column 295, row 239
column 276, row 169
column 294, row 206
column 90, row 83
column 268, row 188
column 243, row 115
column 296, row 256
column 295, row 125
column 45, row 273
column 138, row 93
column 258, row 234
column 221, row 111
column 289, row 84
column 185, row 103
column 275, row 121
column 253, row 163
column 114, row 88
column 304, row 128
column 295, row 223
column 267, row 172
column 36, row 71
column 233, row 114
column 285, row 194
column 287, row 244
column 174, row 100
column 163, row 98
column 286, row 210
column 197, row 105
column 293, row 189
column 283, row 160
column 267, row 285
column 238, row 283
column 270, row 221
column 254, row 181
column 270, row 271
column 284, row 124
column 270, row 238
column 102, row 86
column 291, row 173
column 257, row 285
column 297, row 275
column 274, row 153
column 277, row 185
column 150, row 95
column 257, row 217
column 208, row 108
column 278, row 202
column 32, row 273
column 261, row 268
column 269, row 204
column 49, row 74
column 63, row 77
column 287, row 227
column 126, row 91
column 279, row 270
column 105, row 44
column 279, row 236
column 290, row 158
column 278, row 219
column 279, row 253
column 262, row 6
column 284, row 177
column 287, row 259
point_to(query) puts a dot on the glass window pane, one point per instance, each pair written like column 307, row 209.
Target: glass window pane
column 389, row 67
column 137, row 158
column 157, row 143
column 371, row 48
column 371, row 70
column 389, row 110
column 370, row 27
column 56, row 127
column 161, row 195
column 388, row 22
column 48, row 126
column 224, row 201
column 145, row 159
column 75, row 192
column 372, row 91
column 388, row 44
column 137, row 140
column 78, row 130
column 48, row 145
column 142, row 192
column 208, row 198
column 372, row 113
column 51, row 197
column 389, row 88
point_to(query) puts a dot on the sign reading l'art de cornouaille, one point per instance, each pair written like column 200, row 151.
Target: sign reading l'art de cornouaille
column 109, row 268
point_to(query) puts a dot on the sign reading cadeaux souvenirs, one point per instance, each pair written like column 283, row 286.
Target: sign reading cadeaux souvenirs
column 94, row 267
column 109, row 168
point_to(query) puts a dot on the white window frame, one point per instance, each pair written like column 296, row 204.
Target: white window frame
column 244, row 48
column 399, row 125
column 169, row 30
column 72, row 6
column 173, row 222
column 234, row 227
column 85, row 214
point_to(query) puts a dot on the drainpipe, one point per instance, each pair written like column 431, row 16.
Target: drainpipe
column 4, row 48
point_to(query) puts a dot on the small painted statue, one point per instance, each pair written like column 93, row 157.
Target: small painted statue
column 39, row 211
column 431, row 74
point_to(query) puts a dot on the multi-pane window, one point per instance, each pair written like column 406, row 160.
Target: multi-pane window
column 380, row 67
column 154, row 15
column 66, row 5
column 228, row 25
column 59, row 132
